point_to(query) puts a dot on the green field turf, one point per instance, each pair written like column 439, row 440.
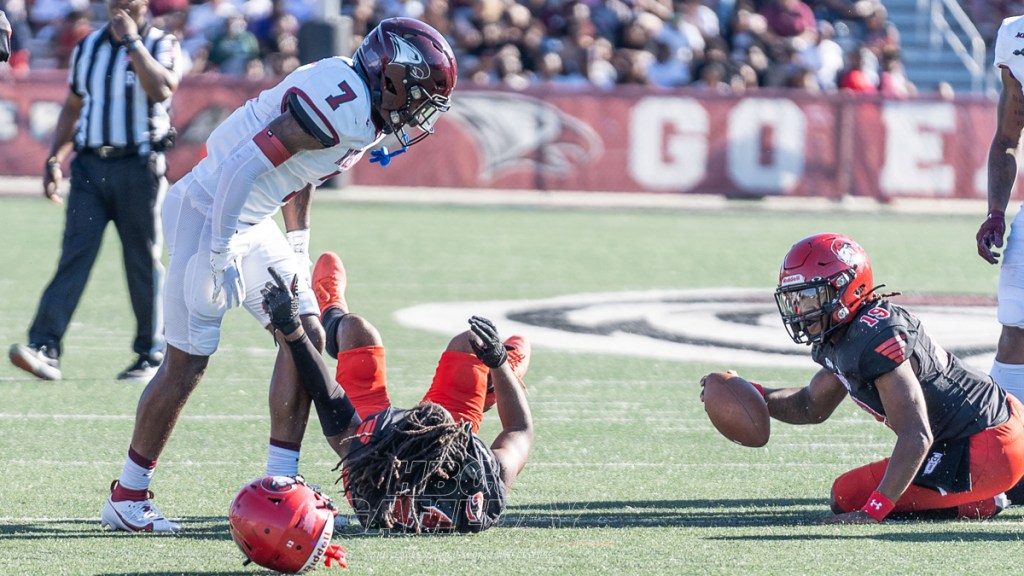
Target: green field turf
column 627, row 475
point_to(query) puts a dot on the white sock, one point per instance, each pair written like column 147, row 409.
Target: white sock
column 282, row 461
column 1010, row 377
column 135, row 477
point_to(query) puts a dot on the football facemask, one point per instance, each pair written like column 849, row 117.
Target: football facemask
column 421, row 112
column 806, row 310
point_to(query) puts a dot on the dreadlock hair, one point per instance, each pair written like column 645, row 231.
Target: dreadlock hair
column 873, row 295
column 424, row 445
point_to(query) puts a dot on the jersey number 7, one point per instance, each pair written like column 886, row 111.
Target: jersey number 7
column 347, row 95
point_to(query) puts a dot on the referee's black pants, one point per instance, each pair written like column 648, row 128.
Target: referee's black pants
column 127, row 191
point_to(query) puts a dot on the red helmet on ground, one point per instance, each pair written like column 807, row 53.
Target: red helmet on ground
column 824, row 280
column 281, row 523
column 411, row 72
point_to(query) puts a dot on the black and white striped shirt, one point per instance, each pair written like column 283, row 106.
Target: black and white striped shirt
column 115, row 109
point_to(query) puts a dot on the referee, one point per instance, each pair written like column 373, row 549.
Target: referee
column 116, row 117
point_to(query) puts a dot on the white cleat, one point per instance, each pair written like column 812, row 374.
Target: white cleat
column 135, row 516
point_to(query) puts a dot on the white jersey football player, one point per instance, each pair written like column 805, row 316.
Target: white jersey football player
column 1008, row 367
column 269, row 155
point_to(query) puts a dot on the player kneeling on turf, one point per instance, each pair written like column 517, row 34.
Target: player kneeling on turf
column 959, row 437
column 422, row 469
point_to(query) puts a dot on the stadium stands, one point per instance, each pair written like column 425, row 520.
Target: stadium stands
column 729, row 46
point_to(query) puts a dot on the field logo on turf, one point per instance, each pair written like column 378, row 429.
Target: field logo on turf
column 727, row 326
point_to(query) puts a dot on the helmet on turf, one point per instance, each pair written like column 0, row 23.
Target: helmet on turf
column 410, row 70
column 281, row 523
column 824, row 280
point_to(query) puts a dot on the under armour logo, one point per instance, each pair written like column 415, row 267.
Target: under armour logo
column 1020, row 34
column 875, row 504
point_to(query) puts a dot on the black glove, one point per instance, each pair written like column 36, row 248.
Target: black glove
column 5, row 37
column 281, row 304
column 491, row 351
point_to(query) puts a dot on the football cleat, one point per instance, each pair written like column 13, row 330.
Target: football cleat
column 329, row 281
column 142, row 370
column 38, row 360
column 518, row 348
column 135, row 515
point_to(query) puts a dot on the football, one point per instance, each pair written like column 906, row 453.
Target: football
column 736, row 408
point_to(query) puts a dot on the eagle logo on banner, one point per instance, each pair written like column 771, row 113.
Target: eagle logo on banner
column 527, row 134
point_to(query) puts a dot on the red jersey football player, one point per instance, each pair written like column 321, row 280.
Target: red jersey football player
column 422, row 469
column 959, row 437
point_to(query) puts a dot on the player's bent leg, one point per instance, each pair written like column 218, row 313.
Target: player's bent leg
column 460, row 382
column 996, row 465
column 851, row 490
column 362, row 373
column 361, row 370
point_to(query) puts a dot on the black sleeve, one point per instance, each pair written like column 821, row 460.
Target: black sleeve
column 302, row 116
column 333, row 407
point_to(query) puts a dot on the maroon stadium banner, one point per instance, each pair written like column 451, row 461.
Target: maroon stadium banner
column 630, row 139
column 29, row 109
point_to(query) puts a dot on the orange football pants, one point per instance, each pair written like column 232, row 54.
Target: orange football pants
column 459, row 385
column 997, row 464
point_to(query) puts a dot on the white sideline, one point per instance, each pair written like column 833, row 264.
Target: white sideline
column 32, row 186
column 640, row 200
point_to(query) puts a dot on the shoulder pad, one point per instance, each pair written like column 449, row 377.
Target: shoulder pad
column 302, row 115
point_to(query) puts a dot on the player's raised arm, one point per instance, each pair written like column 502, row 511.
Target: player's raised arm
column 512, row 446
column 338, row 417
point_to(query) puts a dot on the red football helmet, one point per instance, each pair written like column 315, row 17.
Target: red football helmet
column 281, row 523
column 410, row 69
column 824, row 280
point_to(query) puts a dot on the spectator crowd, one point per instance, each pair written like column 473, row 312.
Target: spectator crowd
column 722, row 46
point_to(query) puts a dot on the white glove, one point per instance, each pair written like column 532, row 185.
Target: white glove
column 299, row 241
column 224, row 267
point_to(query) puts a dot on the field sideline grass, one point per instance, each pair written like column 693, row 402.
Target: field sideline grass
column 627, row 475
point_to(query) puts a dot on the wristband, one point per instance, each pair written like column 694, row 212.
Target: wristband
column 52, row 161
column 759, row 388
column 299, row 240
column 996, row 214
column 130, row 42
column 878, row 506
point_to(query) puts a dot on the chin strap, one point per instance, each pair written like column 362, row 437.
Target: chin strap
column 335, row 554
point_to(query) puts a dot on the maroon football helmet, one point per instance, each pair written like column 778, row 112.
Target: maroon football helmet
column 281, row 523
column 824, row 280
column 410, row 69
